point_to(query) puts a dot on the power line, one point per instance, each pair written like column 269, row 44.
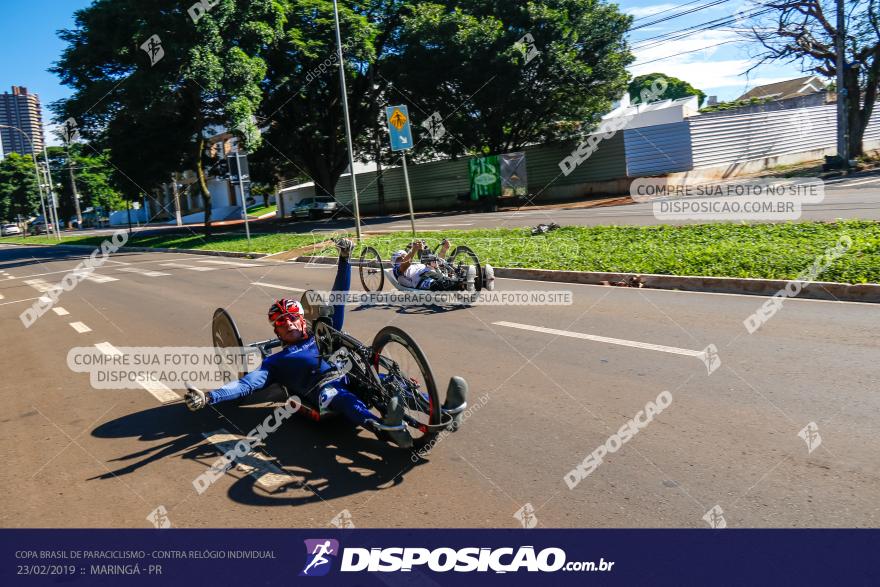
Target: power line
column 705, row 26
column 667, row 10
column 685, row 52
column 680, row 14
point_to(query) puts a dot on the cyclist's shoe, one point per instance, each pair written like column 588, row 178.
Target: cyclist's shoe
column 195, row 398
column 456, row 400
column 489, row 277
column 345, row 246
column 470, row 278
column 394, row 417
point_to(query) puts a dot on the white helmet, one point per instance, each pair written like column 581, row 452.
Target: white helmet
column 396, row 256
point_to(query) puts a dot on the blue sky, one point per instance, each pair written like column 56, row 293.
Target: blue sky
column 29, row 46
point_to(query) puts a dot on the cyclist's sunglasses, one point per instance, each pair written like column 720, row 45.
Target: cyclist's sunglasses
column 282, row 319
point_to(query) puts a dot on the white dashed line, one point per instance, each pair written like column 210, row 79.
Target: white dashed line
column 593, row 337
column 256, row 464
column 80, row 327
column 232, row 263
column 190, row 267
column 262, row 284
column 160, row 391
column 40, row 285
column 97, row 278
column 60, row 311
column 146, row 272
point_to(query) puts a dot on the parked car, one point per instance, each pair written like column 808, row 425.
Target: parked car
column 315, row 207
column 40, row 227
column 9, row 229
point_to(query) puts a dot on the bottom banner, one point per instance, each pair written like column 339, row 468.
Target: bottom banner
column 439, row 557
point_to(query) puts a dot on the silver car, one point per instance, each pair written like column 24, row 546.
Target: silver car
column 315, row 207
column 9, row 229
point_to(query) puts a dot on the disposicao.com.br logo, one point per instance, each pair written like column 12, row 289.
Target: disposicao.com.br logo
column 442, row 560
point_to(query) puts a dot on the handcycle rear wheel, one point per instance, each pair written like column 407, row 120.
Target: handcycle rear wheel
column 422, row 408
column 370, row 270
column 464, row 255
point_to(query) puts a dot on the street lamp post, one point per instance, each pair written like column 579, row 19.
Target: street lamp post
column 36, row 171
column 357, row 210
column 52, row 198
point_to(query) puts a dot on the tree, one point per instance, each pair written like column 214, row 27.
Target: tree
column 503, row 74
column 94, row 176
column 19, row 193
column 675, row 89
column 804, row 31
column 153, row 80
column 303, row 104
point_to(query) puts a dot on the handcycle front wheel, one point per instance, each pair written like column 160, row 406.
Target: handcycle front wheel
column 422, row 408
column 370, row 270
column 464, row 255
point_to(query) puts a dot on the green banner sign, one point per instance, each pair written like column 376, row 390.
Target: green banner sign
column 485, row 176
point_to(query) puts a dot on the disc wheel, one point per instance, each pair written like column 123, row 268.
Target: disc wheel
column 225, row 334
column 370, row 270
column 413, row 376
column 463, row 256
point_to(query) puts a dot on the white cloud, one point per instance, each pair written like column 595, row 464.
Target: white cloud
column 642, row 11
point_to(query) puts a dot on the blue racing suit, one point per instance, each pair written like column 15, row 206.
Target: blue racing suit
column 299, row 368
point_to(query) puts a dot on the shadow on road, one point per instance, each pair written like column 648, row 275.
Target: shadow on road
column 328, row 459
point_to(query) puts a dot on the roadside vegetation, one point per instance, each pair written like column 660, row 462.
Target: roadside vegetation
column 769, row 251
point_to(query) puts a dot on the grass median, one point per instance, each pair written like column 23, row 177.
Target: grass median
column 769, row 251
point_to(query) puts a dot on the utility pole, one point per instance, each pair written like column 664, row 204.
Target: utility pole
column 53, row 201
column 842, row 119
column 79, row 216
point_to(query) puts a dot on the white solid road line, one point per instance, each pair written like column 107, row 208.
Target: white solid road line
column 80, row 327
column 593, row 337
column 262, row 284
column 60, row 311
column 256, row 464
column 160, row 391
column 232, row 263
column 190, row 267
column 864, row 181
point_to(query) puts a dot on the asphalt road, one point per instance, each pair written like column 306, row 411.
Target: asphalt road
column 81, row 457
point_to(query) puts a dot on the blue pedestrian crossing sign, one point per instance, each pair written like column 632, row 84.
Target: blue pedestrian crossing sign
column 398, row 127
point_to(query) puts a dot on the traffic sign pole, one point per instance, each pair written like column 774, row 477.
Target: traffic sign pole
column 412, row 216
column 247, row 228
column 401, row 140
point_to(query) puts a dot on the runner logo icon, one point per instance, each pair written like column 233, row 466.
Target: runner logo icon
column 319, row 556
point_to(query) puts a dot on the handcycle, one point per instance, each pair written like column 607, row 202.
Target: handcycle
column 392, row 366
column 373, row 271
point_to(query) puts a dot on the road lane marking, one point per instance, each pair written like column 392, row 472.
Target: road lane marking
column 263, row 284
column 108, row 349
column 60, row 311
column 40, row 285
column 80, row 327
column 97, row 278
column 256, row 464
column 871, row 180
column 160, row 391
column 232, row 263
column 593, row 337
column 145, row 272
column 17, row 301
column 190, row 267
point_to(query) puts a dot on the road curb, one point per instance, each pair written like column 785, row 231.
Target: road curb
column 816, row 290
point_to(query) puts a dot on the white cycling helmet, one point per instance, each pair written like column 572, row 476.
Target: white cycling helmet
column 396, row 256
